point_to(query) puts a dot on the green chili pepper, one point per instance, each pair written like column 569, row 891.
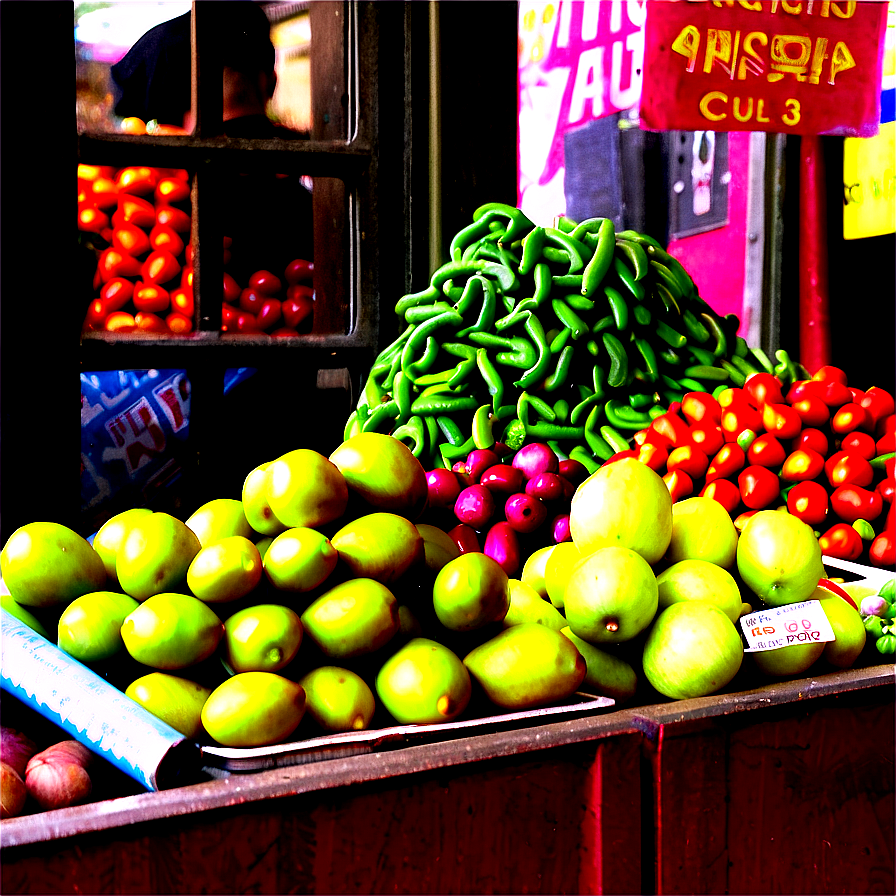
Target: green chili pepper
column 601, row 259
column 696, row 330
column 669, row 335
column 886, row 644
column 704, row 372
column 744, row 366
column 618, row 306
column 593, row 439
column 627, row 276
column 642, row 315
column 443, row 404
column 640, row 400
column 619, row 371
column 589, row 225
column 580, row 453
column 701, row 355
column 567, row 281
column 669, row 301
column 421, row 313
column 763, row 359
column 736, row 376
column 635, row 255
column 649, row 356
column 381, row 413
column 558, row 343
column 569, row 318
column 454, row 270
column 715, row 329
column 435, row 379
column 533, row 244
column 518, row 225
column 614, row 438
column 470, row 235
column 560, row 376
column 521, row 353
column 575, row 250
column 670, row 357
column 567, row 225
column 592, row 347
column 642, row 238
column 785, row 369
column 561, row 410
column 578, row 302
column 425, row 297
column 665, row 277
column 352, row 426
column 542, row 408
column 491, row 377
column 486, row 318
column 450, row 429
column 685, row 382
column 402, row 396
column 415, row 431
column 544, row 431
column 482, row 427
column 514, row 436
column 605, row 323
column 880, row 461
column 457, row 452
column 624, row 416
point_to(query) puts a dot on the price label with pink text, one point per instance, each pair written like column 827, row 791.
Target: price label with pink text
column 777, row 627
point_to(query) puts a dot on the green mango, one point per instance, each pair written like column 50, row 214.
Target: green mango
column 255, row 503
column 304, row 488
column 48, row 564
column 470, row 592
column 262, row 638
column 176, row 701
column 219, row 518
column 352, row 619
column 16, row 609
column 526, row 666
column 225, row 570
column 112, row 533
column 381, row 546
column 606, row 674
column 338, row 699
column 424, row 683
column 253, row 709
column 527, row 605
column 299, row 560
column 155, row 555
column 89, row 628
column 171, row 631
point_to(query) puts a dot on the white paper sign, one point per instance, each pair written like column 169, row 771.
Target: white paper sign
column 777, row 627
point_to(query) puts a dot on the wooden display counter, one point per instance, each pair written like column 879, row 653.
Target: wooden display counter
column 786, row 788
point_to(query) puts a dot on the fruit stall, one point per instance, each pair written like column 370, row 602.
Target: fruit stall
column 497, row 559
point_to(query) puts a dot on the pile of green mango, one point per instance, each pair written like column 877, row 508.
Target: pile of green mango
column 316, row 602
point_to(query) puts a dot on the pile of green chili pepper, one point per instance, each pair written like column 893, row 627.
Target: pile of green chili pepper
column 879, row 617
column 575, row 335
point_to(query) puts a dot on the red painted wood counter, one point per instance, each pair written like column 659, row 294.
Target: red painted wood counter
column 787, row 788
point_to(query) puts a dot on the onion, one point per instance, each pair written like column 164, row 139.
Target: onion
column 16, row 749
column 57, row 777
column 13, row 792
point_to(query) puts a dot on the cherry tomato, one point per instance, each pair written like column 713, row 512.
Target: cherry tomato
column 742, row 519
column 762, row 389
column 802, row 464
column 296, row 310
column 97, row 312
column 848, row 468
column 737, row 419
column 269, row 314
column 131, row 239
column 186, row 276
column 232, row 289
column 299, row 270
column 841, row 541
column 859, row 443
column 766, row 451
column 878, row 402
column 228, row 316
column 246, row 323
column 134, row 210
column 150, row 322
column 851, row 503
column 827, row 373
column 886, row 444
column 808, row 501
column 834, row 393
column 116, row 293
column 759, row 487
column 781, row 420
column 92, row 220
column 689, row 459
column 729, row 459
column 680, row 485
column 849, row 417
column 883, row 550
column 284, row 332
column 163, row 236
column 653, row 456
column 812, row 410
column 139, row 180
column 266, row 282
column 179, row 323
column 700, row 407
column 182, row 301
column 812, row 438
column 171, row 189
column 115, row 263
column 160, row 267
column 886, row 488
column 724, row 491
column 708, row 437
column 675, row 430
column 251, row 300
column 151, row 298
column 120, row 320
column 464, row 536
column 173, row 217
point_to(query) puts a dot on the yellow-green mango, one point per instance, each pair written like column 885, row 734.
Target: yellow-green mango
column 338, row 699
column 381, row 546
column 48, row 564
column 470, row 592
column 176, row 701
column 262, row 638
column 606, row 674
column 155, row 555
column 172, row 631
column 14, row 608
column 534, row 569
column 527, row 666
column 253, row 709
column 527, row 605
column 111, row 534
column 255, row 503
column 299, row 559
column 304, row 488
column 351, row 619
column 225, row 570
column 438, row 545
column 217, row 519
column 89, row 628
column 424, row 683
column 698, row 579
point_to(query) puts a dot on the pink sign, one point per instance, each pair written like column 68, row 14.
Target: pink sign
column 579, row 60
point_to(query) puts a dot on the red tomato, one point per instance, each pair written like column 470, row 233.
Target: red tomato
column 296, row 310
column 742, row 519
column 849, row 417
column 680, row 485
column 171, row 189
column 115, row 263
column 170, row 216
column 182, row 301
column 139, row 180
column 266, row 282
column 851, row 503
column 834, row 393
column 878, row 402
column 231, row 289
column 163, row 236
column 120, row 320
column 186, row 276
column 284, row 332
column 179, row 323
column 859, row 443
column 724, row 491
column 251, row 300
column 160, row 267
column 116, row 293
column 762, row 389
column 150, row 298
column 708, row 437
column 886, row 444
column 131, row 239
column 104, row 193
column 92, row 220
column 228, row 316
column 808, row 501
column 781, row 420
column 802, row 464
column 737, row 419
column 883, row 550
column 97, row 312
column 675, row 430
column 759, row 487
column 729, row 459
column 689, row 459
column 150, row 322
column 134, row 210
column 269, row 314
column 766, row 451
column 246, row 323
column 299, row 271
column 848, row 468
column 653, row 456
column 886, row 488
column 841, row 541
column 700, row 407
column 812, row 410
column 812, row 438
column 827, row 373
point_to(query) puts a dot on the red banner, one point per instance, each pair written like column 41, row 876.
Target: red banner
column 788, row 66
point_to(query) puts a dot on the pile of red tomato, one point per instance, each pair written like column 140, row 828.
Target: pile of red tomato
column 824, row 451
column 139, row 221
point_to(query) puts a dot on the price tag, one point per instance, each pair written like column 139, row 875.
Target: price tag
column 782, row 626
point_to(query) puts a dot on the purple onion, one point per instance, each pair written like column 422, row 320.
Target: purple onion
column 442, row 488
column 465, row 538
column 525, row 513
column 536, row 458
column 478, row 461
column 475, row 506
column 546, row 486
column 573, row 471
column 560, row 528
column 502, row 478
column 874, row 605
column 502, row 545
